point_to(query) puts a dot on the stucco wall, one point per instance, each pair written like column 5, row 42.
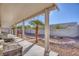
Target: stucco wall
column 71, row 31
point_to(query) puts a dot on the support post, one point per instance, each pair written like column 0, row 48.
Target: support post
column 23, row 30
column 11, row 30
column 15, row 30
column 47, row 33
column 0, row 30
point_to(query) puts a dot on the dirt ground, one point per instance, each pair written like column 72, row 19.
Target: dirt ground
column 61, row 49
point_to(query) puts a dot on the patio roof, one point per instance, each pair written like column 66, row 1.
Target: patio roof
column 12, row 13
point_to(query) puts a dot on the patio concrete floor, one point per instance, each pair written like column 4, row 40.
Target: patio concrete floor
column 31, row 49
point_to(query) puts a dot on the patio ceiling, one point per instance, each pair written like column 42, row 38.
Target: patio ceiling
column 11, row 13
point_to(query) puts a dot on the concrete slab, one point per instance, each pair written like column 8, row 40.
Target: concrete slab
column 52, row 53
column 25, row 44
column 35, row 51
column 18, row 39
column 30, row 49
column 38, row 51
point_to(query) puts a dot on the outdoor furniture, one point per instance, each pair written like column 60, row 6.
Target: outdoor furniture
column 1, row 42
column 8, row 47
column 12, row 49
column 1, row 35
column 8, row 39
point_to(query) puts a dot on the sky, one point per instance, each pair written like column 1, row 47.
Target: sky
column 68, row 12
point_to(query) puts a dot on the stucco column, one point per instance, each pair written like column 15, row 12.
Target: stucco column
column 23, row 30
column 15, row 30
column 47, row 32
column 11, row 30
column 0, row 30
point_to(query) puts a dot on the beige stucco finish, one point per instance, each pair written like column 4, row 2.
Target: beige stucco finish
column 11, row 13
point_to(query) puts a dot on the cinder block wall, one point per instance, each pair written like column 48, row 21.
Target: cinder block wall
column 72, row 31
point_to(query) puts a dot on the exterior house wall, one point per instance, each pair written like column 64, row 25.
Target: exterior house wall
column 78, row 30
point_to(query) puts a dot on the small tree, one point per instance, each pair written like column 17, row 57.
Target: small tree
column 36, row 25
column 19, row 27
column 27, row 27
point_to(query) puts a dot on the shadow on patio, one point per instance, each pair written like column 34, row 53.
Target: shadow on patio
column 28, row 48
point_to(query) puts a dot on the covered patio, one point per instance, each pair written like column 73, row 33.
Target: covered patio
column 11, row 14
